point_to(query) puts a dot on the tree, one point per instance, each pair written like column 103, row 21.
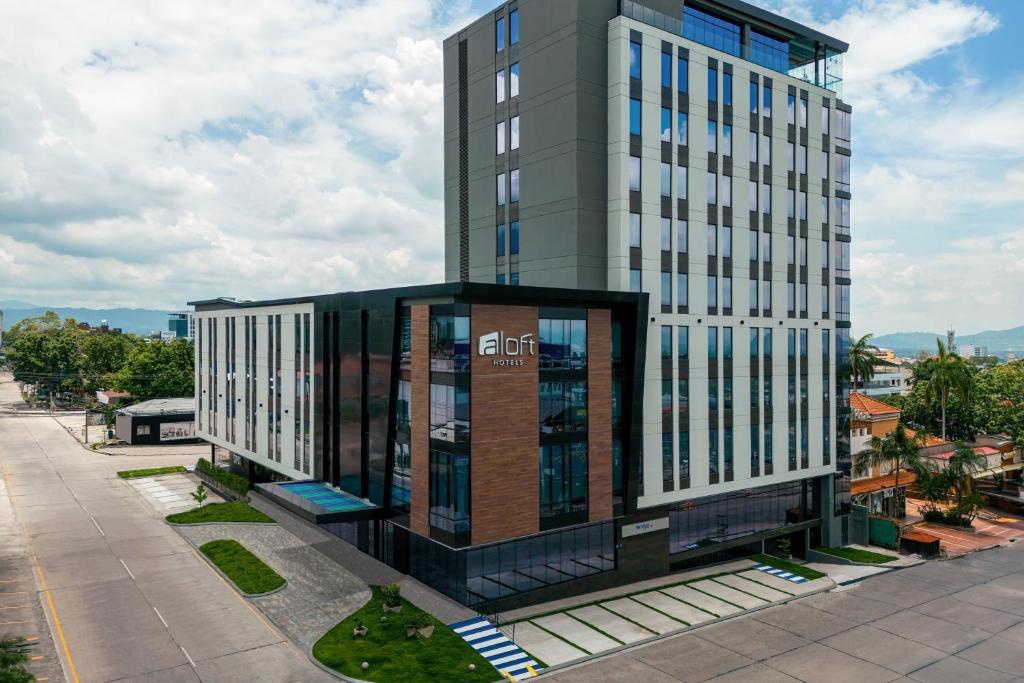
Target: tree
column 200, row 495
column 862, row 361
column 13, row 656
column 898, row 449
column 158, row 370
column 46, row 351
column 961, row 465
column 103, row 355
column 946, row 374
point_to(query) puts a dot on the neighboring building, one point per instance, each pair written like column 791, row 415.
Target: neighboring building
column 159, row 421
column 181, row 324
column 112, row 398
column 876, row 487
column 973, row 351
column 700, row 154
column 890, row 380
column 493, row 480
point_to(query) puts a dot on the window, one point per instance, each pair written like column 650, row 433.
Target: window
column 766, row 150
column 769, row 52
column 563, row 344
column 499, row 85
column 634, row 230
column 634, row 174
column 766, row 198
column 802, row 204
column 752, row 245
column 712, row 85
column 803, row 112
column 766, row 247
column 791, row 204
column 499, row 34
column 752, row 147
column 790, row 157
column 791, row 298
column 842, row 259
column 666, row 234
column 634, row 116
column 803, row 300
column 513, row 80
column 713, row 443
column 842, row 172
column 766, row 101
column 802, row 160
column 752, row 97
column 803, row 252
column 666, row 180
column 681, row 175
column 707, row 29
column 501, row 189
column 666, row 289
column 843, row 127
column 842, row 216
column 500, row 279
column 514, row 243
column 824, row 118
column 726, row 140
column 513, row 27
column 666, row 70
column 666, row 342
column 727, row 292
column 449, row 412
column 499, row 134
column 667, row 473
column 712, row 188
column 725, row 190
column 141, row 430
column 712, row 291
column 683, row 77
column 766, row 297
column 752, row 195
column 514, row 133
column 634, row 281
column 713, row 345
column 681, row 128
column 514, row 182
column 727, row 89
column 712, row 136
column 683, row 342
column 449, row 492
column 791, row 110
column 823, row 210
column 682, row 237
column 683, row 289
column 726, row 242
column 752, row 295
column 666, row 124
column 727, row 398
column 634, row 60
column 501, row 239
column 563, row 479
column 824, row 165
column 790, row 250
column 712, row 234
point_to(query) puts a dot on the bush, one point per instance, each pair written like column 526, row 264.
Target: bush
column 151, row 472
column 230, row 481
column 951, row 518
column 391, row 595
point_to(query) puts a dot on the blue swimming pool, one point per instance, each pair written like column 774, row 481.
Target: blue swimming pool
column 318, row 493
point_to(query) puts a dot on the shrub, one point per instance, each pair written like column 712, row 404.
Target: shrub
column 228, row 480
column 952, row 518
column 391, row 595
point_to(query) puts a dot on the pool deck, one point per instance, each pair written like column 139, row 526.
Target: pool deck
column 318, row 503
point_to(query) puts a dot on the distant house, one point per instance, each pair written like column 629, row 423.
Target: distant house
column 160, row 421
column 112, row 398
column 876, row 487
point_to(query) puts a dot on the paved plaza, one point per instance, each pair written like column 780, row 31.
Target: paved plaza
column 954, row 621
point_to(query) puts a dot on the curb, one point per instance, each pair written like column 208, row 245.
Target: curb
column 664, row 636
column 189, row 524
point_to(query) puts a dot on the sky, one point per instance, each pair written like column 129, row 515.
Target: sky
column 155, row 153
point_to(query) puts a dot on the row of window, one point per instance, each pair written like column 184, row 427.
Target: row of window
column 513, row 135
column 513, row 30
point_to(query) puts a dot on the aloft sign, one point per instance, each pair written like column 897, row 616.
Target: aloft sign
column 507, row 351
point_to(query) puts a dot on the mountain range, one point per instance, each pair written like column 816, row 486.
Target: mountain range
column 135, row 320
column 999, row 342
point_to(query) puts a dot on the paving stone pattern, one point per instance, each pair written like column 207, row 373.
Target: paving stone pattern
column 941, row 622
column 171, row 493
column 319, row 594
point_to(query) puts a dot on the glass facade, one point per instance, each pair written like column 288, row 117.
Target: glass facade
column 707, row 29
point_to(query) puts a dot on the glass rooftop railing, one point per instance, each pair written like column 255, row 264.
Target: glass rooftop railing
column 801, row 58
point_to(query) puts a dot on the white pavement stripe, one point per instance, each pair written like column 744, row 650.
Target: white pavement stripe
column 161, row 618
column 470, row 627
column 499, row 651
column 185, row 652
column 482, row 634
column 129, row 571
column 491, row 642
column 97, row 525
column 502, row 660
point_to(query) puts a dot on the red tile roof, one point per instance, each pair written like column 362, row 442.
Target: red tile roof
column 865, row 404
column 929, row 440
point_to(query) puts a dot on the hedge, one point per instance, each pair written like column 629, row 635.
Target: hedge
column 228, row 480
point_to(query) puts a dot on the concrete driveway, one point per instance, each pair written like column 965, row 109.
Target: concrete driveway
column 954, row 621
column 134, row 600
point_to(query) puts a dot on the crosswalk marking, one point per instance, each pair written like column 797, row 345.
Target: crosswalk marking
column 504, row 655
column 788, row 576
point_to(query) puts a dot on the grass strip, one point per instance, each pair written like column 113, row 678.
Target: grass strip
column 151, row 472
column 575, row 646
column 787, row 566
column 703, row 610
column 248, row 572
column 599, row 630
column 219, row 513
column 445, row 656
column 857, row 555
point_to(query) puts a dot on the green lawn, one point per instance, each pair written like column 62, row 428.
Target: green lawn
column 151, row 472
column 249, row 572
column 393, row 657
column 221, row 512
column 787, row 566
column 857, row 555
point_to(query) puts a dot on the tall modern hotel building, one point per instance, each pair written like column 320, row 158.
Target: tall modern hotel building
column 638, row 362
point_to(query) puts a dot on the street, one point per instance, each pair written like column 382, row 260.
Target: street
column 133, row 600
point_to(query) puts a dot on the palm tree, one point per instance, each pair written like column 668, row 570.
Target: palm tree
column 898, row 449
column 862, row 361
column 961, row 465
column 947, row 374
